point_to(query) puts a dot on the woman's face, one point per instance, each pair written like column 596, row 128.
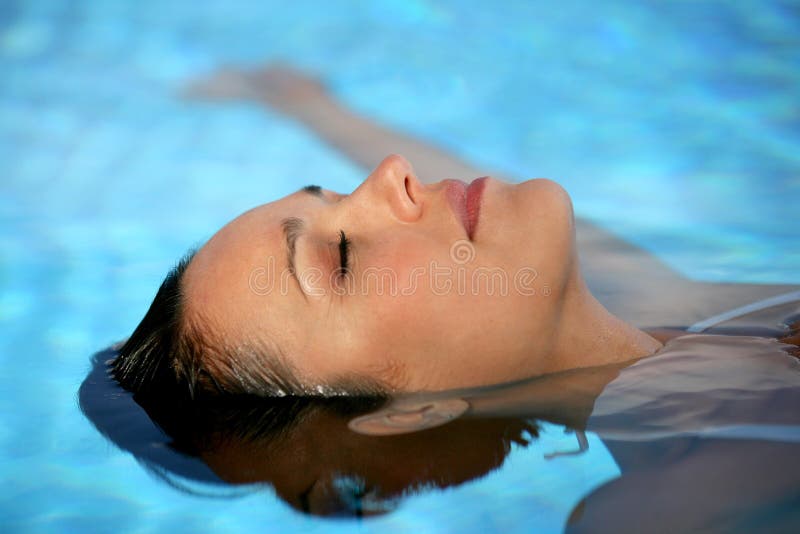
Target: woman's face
column 425, row 302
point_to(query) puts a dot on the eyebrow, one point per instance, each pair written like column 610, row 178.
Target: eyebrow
column 292, row 230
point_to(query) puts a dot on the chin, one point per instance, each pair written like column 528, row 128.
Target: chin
column 547, row 215
column 552, row 189
column 547, row 198
column 537, row 213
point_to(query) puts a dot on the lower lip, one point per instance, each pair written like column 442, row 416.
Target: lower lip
column 466, row 202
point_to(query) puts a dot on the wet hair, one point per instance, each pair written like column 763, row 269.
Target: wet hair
column 152, row 355
column 177, row 366
column 176, row 457
column 166, row 353
column 166, row 437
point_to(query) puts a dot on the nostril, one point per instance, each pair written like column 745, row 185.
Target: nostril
column 407, row 184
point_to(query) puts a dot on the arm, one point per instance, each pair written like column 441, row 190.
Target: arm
column 305, row 99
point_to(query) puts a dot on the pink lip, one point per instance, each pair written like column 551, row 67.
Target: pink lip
column 466, row 202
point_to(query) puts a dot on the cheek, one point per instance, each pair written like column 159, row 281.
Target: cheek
column 395, row 268
column 544, row 234
column 435, row 329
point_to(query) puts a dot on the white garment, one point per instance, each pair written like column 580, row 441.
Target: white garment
column 704, row 385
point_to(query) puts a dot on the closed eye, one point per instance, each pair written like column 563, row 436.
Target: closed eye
column 344, row 255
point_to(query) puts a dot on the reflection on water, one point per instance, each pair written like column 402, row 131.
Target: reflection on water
column 705, row 433
column 302, row 446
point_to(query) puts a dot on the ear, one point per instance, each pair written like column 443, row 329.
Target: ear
column 406, row 416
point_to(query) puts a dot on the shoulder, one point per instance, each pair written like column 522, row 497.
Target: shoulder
column 791, row 338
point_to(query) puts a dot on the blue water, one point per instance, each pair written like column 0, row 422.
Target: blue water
column 674, row 124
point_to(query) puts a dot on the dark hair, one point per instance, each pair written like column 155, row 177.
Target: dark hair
column 170, row 351
column 231, row 424
column 173, row 364
column 188, row 430
column 152, row 357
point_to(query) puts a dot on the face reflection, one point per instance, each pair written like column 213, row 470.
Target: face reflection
column 308, row 472
column 422, row 306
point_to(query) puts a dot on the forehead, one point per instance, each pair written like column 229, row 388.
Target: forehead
column 218, row 284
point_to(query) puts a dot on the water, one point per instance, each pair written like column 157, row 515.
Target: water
column 673, row 124
column 705, row 434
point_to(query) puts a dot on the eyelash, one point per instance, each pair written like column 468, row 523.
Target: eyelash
column 344, row 254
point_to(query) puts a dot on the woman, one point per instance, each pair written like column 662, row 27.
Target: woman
column 483, row 287
column 401, row 285
column 299, row 319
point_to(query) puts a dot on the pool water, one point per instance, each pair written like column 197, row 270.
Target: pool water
column 673, row 124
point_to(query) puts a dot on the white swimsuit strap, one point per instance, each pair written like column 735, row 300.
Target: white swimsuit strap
column 705, row 324
column 783, row 433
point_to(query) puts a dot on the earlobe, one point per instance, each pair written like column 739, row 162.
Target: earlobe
column 404, row 417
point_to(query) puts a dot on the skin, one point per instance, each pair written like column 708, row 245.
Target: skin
column 568, row 329
column 630, row 282
column 425, row 335
column 343, row 334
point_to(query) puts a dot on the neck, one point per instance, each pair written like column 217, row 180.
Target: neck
column 589, row 335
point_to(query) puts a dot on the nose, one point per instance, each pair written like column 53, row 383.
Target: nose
column 394, row 183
